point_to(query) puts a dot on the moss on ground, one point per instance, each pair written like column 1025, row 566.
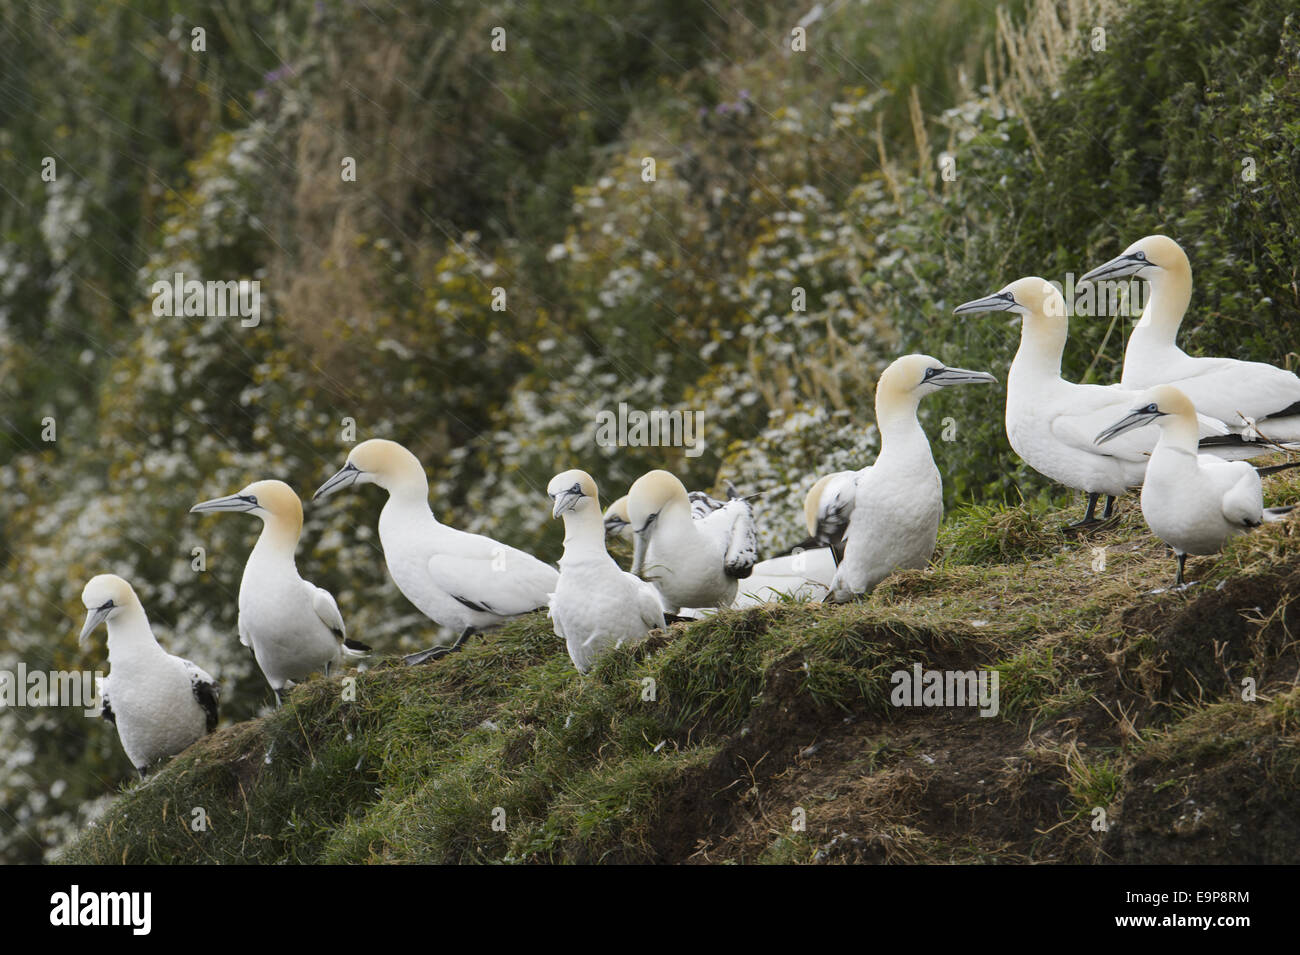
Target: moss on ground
column 767, row 735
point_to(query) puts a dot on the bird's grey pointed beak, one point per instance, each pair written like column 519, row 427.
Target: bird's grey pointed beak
column 564, row 501
column 960, row 376
column 346, row 477
column 93, row 619
column 989, row 303
column 231, row 502
column 1119, row 267
column 1135, row 419
column 639, row 541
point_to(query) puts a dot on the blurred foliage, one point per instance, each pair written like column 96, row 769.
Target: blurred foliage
column 521, row 171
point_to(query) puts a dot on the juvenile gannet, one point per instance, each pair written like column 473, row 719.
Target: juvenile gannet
column 464, row 581
column 827, row 507
column 617, row 523
column 596, row 605
column 293, row 627
column 1051, row 422
column 159, row 703
column 1194, row 503
column 1249, row 396
column 695, row 562
column 898, row 500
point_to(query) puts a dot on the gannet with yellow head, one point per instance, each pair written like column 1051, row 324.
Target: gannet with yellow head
column 1248, row 396
column 159, row 703
column 694, row 561
column 898, row 500
column 464, row 581
column 1051, row 422
column 596, row 604
column 293, row 627
column 1193, row 502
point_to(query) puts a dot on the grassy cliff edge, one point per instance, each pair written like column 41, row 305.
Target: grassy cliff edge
column 713, row 742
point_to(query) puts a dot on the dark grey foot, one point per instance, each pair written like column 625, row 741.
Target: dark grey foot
column 437, row 653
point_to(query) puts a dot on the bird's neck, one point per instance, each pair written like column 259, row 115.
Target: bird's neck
column 1171, row 292
column 584, row 534
column 1042, row 343
column 1180, row 432
column 900, row 431
column 279, row 538
column 130, row 638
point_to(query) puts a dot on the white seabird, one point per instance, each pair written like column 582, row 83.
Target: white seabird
column 827, row 507
column 464, row 581
column 293, row 627
column 804, row 576
column 1248, row 396
column 899, row 498
column 159, row 703
column 1194, row 503
column 596, row 605
column 1051, row 423
column 695, row 562
column 617, row 523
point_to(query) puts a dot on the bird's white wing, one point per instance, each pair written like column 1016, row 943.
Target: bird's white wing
column 1243, row 502
column 1250, row 388
column 244, row 636
column 323, row 602
column 702, row 505
column 507, row 583
column 1093, row 408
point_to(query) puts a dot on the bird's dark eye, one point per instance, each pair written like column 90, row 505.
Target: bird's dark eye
column 931, row 372
column 1151, row 408
column 250, row 498
column 1140, row 256
column 576, row 489
column 108, row 605
column 1007, row 296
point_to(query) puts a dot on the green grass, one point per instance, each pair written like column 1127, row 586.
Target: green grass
column 696, row 744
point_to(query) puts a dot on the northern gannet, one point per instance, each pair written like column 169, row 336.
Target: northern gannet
column 1248, row 396
column 1193, row 502
column 826, row 509
column 159, row 703
column 617, row 523
column 695, row 562
column 596, row 605
column 293, row 627
column 804, row 575
column 1051, row 423
column 464, row 581
column 898, row 500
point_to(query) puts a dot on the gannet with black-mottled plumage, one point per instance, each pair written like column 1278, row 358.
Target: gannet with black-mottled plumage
column 159, row 703
column 695, row 562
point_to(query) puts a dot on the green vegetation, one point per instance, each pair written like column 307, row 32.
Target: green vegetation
column 701, row 744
